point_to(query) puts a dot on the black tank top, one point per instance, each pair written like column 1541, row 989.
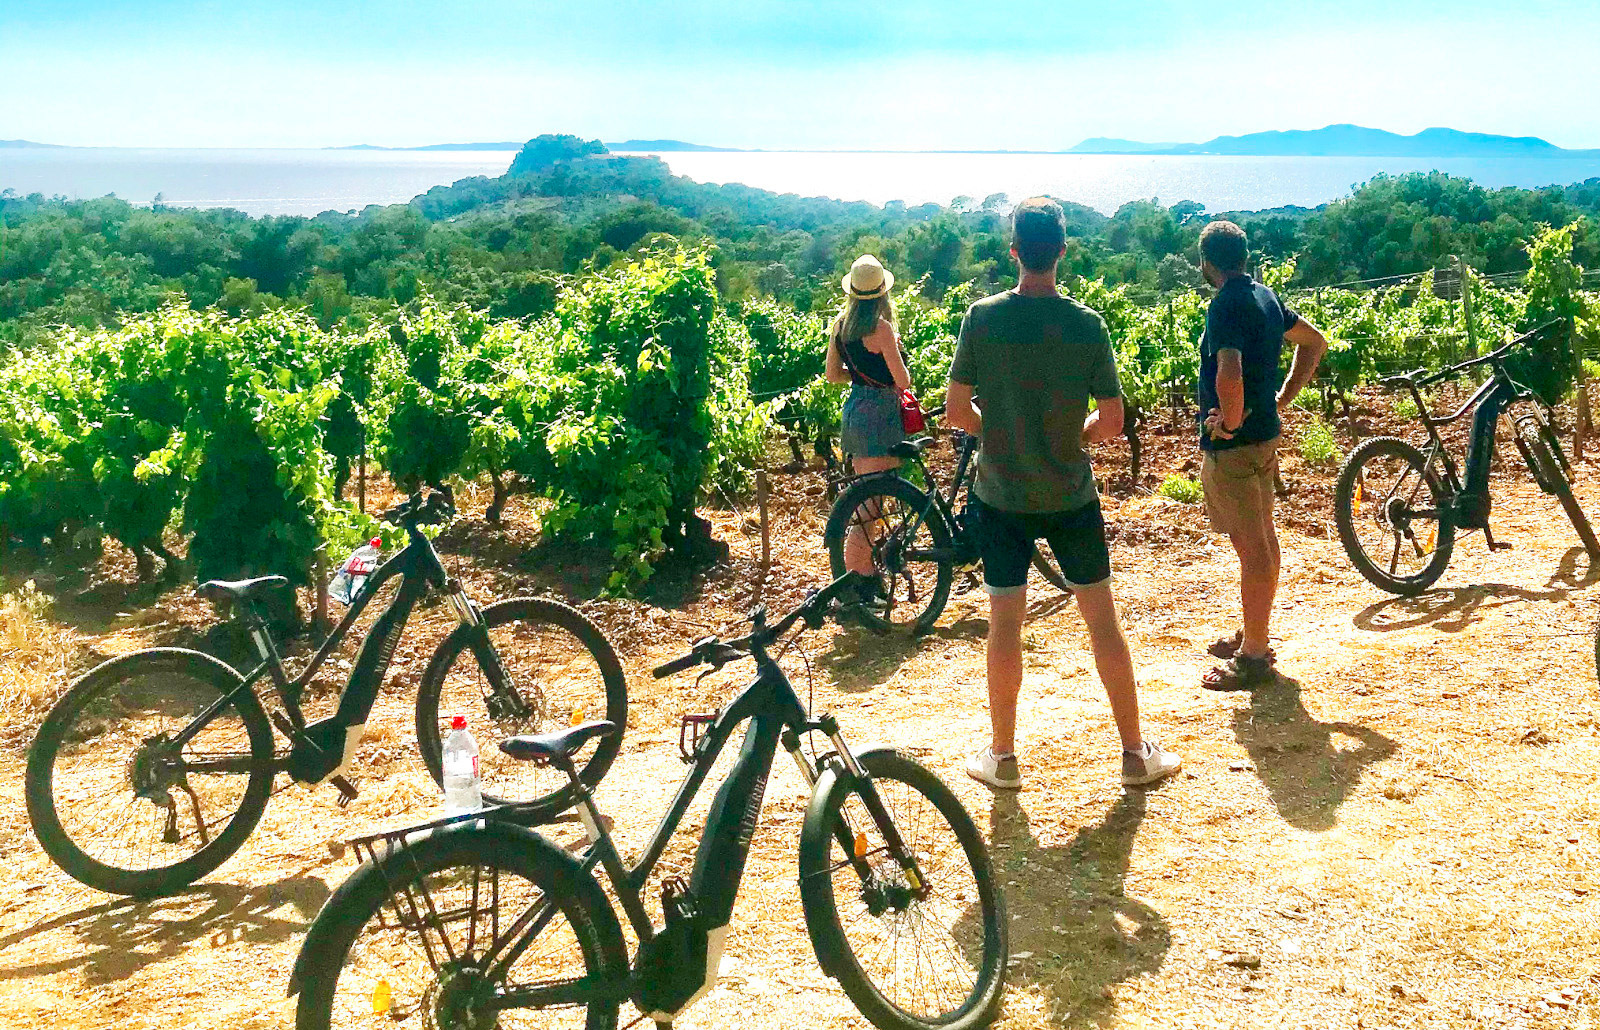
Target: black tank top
column 865, row 363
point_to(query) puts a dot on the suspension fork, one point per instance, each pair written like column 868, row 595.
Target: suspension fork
column 868, row 791
column 471, row 617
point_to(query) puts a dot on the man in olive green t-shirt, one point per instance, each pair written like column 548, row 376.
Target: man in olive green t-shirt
column 1033, row 359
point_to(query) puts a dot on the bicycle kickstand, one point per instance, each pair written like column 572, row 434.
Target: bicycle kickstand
column 1504, row 545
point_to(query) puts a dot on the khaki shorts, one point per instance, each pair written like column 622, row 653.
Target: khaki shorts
column 1239, row 484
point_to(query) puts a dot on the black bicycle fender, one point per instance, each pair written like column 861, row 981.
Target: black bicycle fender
column 813, row 827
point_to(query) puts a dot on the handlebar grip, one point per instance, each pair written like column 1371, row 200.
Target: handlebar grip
column 676, row 666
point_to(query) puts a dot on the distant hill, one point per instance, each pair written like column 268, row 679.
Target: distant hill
column 669, row 145
column 437, row 146
column 1103, row 145
column 1347, row 141
column 19, row 143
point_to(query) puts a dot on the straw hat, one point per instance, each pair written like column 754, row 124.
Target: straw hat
column 867, row 279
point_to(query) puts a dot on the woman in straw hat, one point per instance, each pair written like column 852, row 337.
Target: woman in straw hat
column 864, row 351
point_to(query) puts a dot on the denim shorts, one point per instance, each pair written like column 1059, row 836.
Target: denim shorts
column 1006, row 539
column 871, row 422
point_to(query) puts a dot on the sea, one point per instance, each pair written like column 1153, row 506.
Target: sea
column 306, row 182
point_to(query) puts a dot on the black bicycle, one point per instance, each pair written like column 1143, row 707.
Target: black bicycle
column 1398, row 510
column 482, row 923
column 917, row 538
column 154, row 767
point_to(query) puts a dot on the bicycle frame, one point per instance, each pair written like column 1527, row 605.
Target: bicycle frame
column 775, row 715
column 322, row 750
column 1469, row 495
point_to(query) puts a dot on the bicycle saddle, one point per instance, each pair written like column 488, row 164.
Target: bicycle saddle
column 239, row 589
column 541, row 747
column 912, row 448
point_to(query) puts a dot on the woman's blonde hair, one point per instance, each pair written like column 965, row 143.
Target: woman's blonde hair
column 859, row 317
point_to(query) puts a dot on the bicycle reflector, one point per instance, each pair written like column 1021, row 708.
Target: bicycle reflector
column 861, row 846
column 1356, row 500
column 577, row 716
column 382, row 998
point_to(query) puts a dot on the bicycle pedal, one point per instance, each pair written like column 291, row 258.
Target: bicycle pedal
column 346, row 789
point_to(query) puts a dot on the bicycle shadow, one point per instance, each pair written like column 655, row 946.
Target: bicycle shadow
column 1074, row 932
column 1306, row 776
column 858, row 660
column 1453, row 609
column 118, row 938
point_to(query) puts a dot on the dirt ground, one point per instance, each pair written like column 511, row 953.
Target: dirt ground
column 1403, row 832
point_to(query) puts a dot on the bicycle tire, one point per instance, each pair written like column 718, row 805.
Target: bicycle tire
column 1546, row 469
column 539, row 803
column 906, row 493
column 1344, row 516
column 821, row 855
column 327, row 951
column 117, row 679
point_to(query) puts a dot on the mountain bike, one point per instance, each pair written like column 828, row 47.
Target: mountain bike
column 918, row 538
column 483, row 923
column 1398, row 510
column 153, row 769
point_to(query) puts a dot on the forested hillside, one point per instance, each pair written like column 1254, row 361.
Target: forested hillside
column 567, row 207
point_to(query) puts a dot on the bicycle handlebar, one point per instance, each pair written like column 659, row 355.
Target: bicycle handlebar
column 1421, row 377
column 416, row 510
column 717, row 653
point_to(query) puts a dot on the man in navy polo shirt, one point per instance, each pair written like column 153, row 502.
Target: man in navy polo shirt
column 1240, row 400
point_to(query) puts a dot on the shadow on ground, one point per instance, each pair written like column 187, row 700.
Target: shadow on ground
column 1299, row 760
column 118, row 938
column 1074, row 933
column 859, row 660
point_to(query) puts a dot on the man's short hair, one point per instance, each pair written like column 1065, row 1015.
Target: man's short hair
column 1223, row 244
column 1038, row 232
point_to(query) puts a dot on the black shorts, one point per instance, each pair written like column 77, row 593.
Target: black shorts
column 1006, row 538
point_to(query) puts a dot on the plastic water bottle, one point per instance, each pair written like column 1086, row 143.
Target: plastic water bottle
column 352, row 576
column 461, row 791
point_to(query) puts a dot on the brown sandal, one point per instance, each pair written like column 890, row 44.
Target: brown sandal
column 1239, row 673
column 1227, row 647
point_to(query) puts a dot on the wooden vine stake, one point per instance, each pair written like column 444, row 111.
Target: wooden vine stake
column 766, row 532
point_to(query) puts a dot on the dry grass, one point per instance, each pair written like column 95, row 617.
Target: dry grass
column 35, row 657
column 1403, row 832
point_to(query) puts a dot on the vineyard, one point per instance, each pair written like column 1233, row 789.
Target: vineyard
column 638, row 392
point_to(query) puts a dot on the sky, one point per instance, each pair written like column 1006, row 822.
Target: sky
column 775, row 74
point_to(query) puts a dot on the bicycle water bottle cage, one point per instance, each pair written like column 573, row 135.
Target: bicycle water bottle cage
column 691, row 730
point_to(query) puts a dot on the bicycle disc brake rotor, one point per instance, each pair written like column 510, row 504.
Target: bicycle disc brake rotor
column 451, row 1003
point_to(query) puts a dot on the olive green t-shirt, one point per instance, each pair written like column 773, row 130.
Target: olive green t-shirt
column 1033, row 363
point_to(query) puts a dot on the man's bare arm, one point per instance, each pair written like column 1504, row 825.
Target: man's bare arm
column 1309, row 347
column 1230, row 388
column 959, row 411
column 1105, row 421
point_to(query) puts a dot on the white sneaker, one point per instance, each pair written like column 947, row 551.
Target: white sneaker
column 1146, row 766
column 1000, row 773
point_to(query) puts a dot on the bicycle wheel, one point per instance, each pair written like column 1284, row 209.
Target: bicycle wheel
column 117, row 804
column 1547, row 466
column 1393, row 516
column 910, row 548
column 1045, row 564
column 560, row 669
column 906, row 958
column 440, row 933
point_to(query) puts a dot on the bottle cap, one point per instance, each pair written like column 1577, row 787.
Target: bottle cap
column 458, row 722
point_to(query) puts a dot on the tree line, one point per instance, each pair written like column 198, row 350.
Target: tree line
column 506, row 245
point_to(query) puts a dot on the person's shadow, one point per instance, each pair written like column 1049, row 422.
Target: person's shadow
column 1074, row 932
column 1305, row 774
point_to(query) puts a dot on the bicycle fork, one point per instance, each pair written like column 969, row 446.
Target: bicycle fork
column 852, row 840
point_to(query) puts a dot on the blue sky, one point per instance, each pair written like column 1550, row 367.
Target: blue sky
column 773, row 73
